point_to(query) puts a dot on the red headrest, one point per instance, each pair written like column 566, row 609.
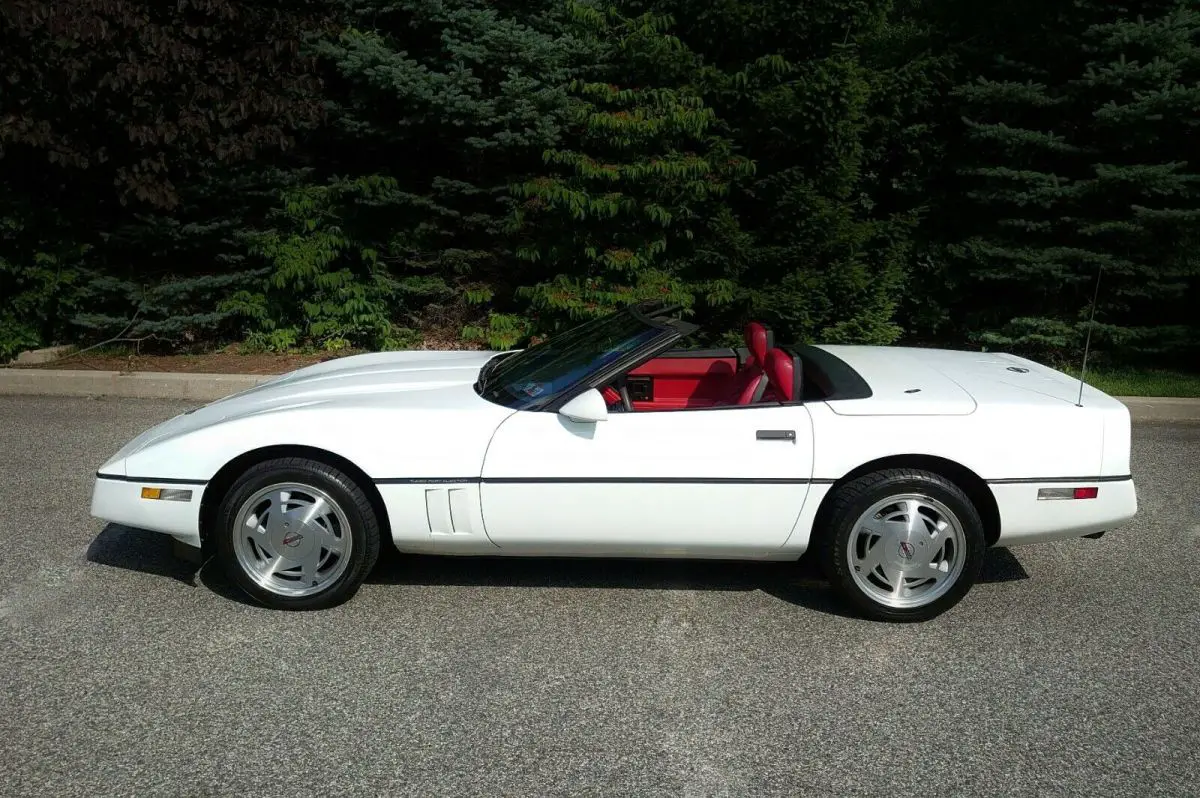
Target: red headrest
column 781, row 372
column 758, row 341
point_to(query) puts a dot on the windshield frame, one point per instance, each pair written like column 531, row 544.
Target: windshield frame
column 653, row 314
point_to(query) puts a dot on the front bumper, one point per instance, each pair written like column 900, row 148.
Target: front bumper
column 119, row 500
column 1025, row 519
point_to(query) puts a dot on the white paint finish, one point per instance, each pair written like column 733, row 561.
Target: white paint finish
column 587, row 408
column 705, row 445
column 389, row 421
column 955, row 382
column 734, row 521
column 437, row 511
column 798, row 542
column 995, row 443
column 459, row 523
column 122, row 503
column 415, row 415
column 892, row 372
column 1118, row 435
column 1027, row 520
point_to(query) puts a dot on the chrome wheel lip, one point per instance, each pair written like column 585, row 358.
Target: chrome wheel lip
column 308, row 542
column 907, row 544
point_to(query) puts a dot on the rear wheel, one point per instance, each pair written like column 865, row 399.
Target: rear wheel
column 297, row 534
column 902, row 545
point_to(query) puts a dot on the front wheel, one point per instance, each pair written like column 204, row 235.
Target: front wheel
column 297, row 534
column 902, row 544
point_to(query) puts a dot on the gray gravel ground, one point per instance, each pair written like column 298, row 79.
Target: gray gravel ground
column 1070, row 671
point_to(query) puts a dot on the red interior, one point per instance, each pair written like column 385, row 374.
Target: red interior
column 678, row 383
column 681, row 382
column 781, row 371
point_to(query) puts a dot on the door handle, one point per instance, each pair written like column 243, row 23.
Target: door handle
column 775, row 435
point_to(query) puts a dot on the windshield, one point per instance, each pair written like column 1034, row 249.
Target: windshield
column 542, row 372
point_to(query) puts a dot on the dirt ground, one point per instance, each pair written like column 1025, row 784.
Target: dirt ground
column 229, row 360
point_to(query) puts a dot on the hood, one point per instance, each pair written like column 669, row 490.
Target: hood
column 379, row 380
column 377, row 372
column 915, row 381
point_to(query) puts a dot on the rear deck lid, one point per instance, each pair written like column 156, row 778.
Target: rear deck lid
column 902, row 384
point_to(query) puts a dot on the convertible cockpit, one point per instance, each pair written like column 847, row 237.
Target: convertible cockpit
column 684, row 379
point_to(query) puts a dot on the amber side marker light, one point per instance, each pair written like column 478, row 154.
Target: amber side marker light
column 1045, row 494
column 167, row 494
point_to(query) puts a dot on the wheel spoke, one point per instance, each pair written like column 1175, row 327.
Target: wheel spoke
column 258, row 533
column 282, row 534
column 877, row 527
column 279, row 500
column 872, row 557
column 314, row 510
column 923, row 573
column 332, row 542
column 275, row 520
column 308, row 568
column 904, row 576
column 893, row 575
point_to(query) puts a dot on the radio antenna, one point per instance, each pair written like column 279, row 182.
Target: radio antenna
column 1087, row 344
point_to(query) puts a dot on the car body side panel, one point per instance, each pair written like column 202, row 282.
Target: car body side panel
column 385, row 444
column 995, row 443
column 1026, row 519
column 119, row 501
column 1010, row 447
column 414, row 424
column 442, row 437
column 437, row 517
column 686, row 483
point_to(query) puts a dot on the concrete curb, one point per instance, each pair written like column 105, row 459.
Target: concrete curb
column 208, row 387
column 130, row 385
column 1161, row 408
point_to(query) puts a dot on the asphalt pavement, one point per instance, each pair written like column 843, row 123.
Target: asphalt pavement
column 1070, row 670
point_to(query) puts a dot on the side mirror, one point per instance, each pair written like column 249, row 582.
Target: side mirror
column 587, row 408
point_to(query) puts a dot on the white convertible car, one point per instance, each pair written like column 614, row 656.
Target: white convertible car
column 896, row 467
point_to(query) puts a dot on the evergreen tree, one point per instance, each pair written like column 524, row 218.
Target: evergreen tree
column 825, row 102
column 1078, row 159
column 434, row 105
column 636, row 194
column 136, row 139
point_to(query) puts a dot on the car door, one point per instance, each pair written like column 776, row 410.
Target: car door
column 727, row 482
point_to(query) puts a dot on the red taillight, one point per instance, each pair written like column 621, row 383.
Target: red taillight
column 1067, row 493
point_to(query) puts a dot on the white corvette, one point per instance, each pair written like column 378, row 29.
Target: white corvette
column 896, row 467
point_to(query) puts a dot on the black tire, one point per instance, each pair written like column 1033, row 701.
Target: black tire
column 857, row 497
column 362, row 527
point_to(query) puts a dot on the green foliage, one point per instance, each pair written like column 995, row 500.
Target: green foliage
column 321, row 287
column 38, row 280
column 379, row 170
column 441, row 102
column 136, row 140
column 634, row 190
column 1074, row 165
column 817, row 241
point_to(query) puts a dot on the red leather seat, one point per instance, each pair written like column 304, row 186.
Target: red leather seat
column 750, row 381
column 781, row 374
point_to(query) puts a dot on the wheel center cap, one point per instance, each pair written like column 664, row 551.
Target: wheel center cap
column 904, row 551
column 292, row 539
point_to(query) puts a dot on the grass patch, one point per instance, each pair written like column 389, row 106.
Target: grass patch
column 1142, row 382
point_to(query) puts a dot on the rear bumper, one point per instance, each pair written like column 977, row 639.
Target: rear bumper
column 119, row 501
column 1026, row 519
